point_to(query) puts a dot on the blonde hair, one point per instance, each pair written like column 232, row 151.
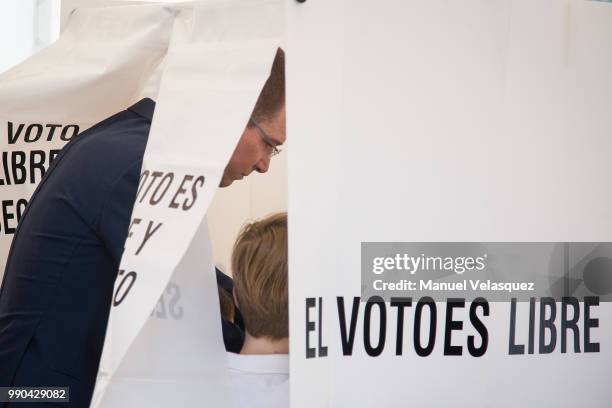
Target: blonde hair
column 259, row 265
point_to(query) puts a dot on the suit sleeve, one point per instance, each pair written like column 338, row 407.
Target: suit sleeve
column 117, row 211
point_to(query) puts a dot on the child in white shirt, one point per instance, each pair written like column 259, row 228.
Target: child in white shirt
column 259, row 375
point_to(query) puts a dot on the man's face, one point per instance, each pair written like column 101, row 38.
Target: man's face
column 254, row 149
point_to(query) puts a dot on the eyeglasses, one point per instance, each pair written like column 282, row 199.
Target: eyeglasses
column 270, row 144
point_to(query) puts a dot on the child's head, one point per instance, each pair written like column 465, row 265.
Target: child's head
column 259, row 266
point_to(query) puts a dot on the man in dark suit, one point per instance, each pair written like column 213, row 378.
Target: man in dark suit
column 232, row 326
column 57, row 287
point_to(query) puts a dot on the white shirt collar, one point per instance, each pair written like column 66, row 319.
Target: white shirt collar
column 259, row 363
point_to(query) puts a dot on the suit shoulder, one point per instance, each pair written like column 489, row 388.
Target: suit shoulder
column 106, row 151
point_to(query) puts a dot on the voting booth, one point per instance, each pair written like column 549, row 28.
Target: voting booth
column 163, row 344
column 427, row 122
column 449, row 200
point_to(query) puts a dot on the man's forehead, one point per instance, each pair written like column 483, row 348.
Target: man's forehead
column 272, row 139
column 276, row 130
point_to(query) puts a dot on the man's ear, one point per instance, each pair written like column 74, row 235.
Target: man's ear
column 235, row 298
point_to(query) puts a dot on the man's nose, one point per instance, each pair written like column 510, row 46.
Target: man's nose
column 263, row 165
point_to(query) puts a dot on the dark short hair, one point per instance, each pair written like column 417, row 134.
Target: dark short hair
column 272, row 97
